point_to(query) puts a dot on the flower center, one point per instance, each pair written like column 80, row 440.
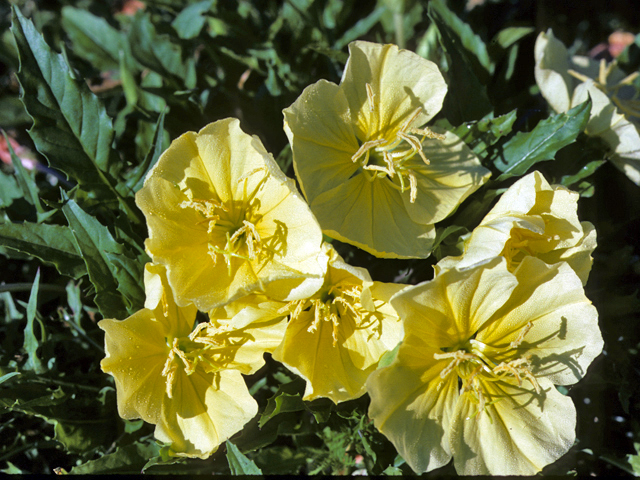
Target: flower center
column 474, row 363
column 231, row 226
column 521, row 243
column 335, row 305
column 624, row 94
column 207, row 347
column 387, row 157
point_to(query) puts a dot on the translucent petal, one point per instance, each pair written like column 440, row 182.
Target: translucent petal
column 518, row 435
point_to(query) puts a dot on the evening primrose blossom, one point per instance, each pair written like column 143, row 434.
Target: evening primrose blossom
column 566, row 81
column 531, row 218
column 336, row 338
column 226, row 222
column 474, row 376
column 374, row 175
column 185, row 380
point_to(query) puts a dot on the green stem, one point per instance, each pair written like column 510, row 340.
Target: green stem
column 398, row 25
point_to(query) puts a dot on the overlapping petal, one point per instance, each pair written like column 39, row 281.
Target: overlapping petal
column 372, row 174
column 335, row 339
column 613, row 117
column 532, row 218
column 474, row 376
column 226, row 222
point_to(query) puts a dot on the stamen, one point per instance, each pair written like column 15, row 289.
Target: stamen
column 516, row 343
column 370, row 96
column 365, row 147
column 578, row 75
column 413, row 185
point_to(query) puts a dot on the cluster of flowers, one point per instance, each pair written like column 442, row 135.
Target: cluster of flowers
column 481, row 345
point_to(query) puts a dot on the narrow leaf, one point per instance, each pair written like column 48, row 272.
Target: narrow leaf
column 471, row 47
column 8, row 376
column 31, row 343
column 550, row 135
column 52, row 244
column 110, row 270
column 483, row 134
column 467, row 97
column 239, row 464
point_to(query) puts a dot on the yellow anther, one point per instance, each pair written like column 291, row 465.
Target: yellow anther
column 364, row 149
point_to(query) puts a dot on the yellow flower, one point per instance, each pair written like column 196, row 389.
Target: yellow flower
column 615, row 113
column 474, row 376
column 373, row 174
column 186, row 381
column 335, row 339
column 531, row 218
column 226, row 222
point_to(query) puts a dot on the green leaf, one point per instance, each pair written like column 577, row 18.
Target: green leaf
column 586, row 171
column 8, row 376
column 240, row 464
column 93, row 38
column 160, row 53
column 550, row 135
column 158, row 146
column 634, row 460
column 116, row 277
column 361, row 28
column 9, row 189
column 467, row 97
column 25, row 181
column 480, row 135
column 125, row 460
column 70, row 125
column 286, row 399
column 509, row 36
column 468, row 44
column 52, row 244
column 190, row 21
column 31, row 343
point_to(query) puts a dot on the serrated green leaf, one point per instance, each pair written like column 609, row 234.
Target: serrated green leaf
column 190, row 21
column 286, row 399
column 467, row 97
column 472, row 48
column 239, row 464
column 482, row 134
column 70, row 125
column 634, row 460
column 160, row 53
column 52, row 244
column 115, row 276
column 31, row 343
column 93, row 38
column 125, row 460
column 550, row 135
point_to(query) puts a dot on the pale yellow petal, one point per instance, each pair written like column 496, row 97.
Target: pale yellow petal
column 205, row 411
column 322, row 138
column 400, row 81
column 454, row 172
column 372, row 216
column 551, row 71
column 136, row 352
column 448, row 310
column 564, row 336
column 412, row 405
column 519, row 434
